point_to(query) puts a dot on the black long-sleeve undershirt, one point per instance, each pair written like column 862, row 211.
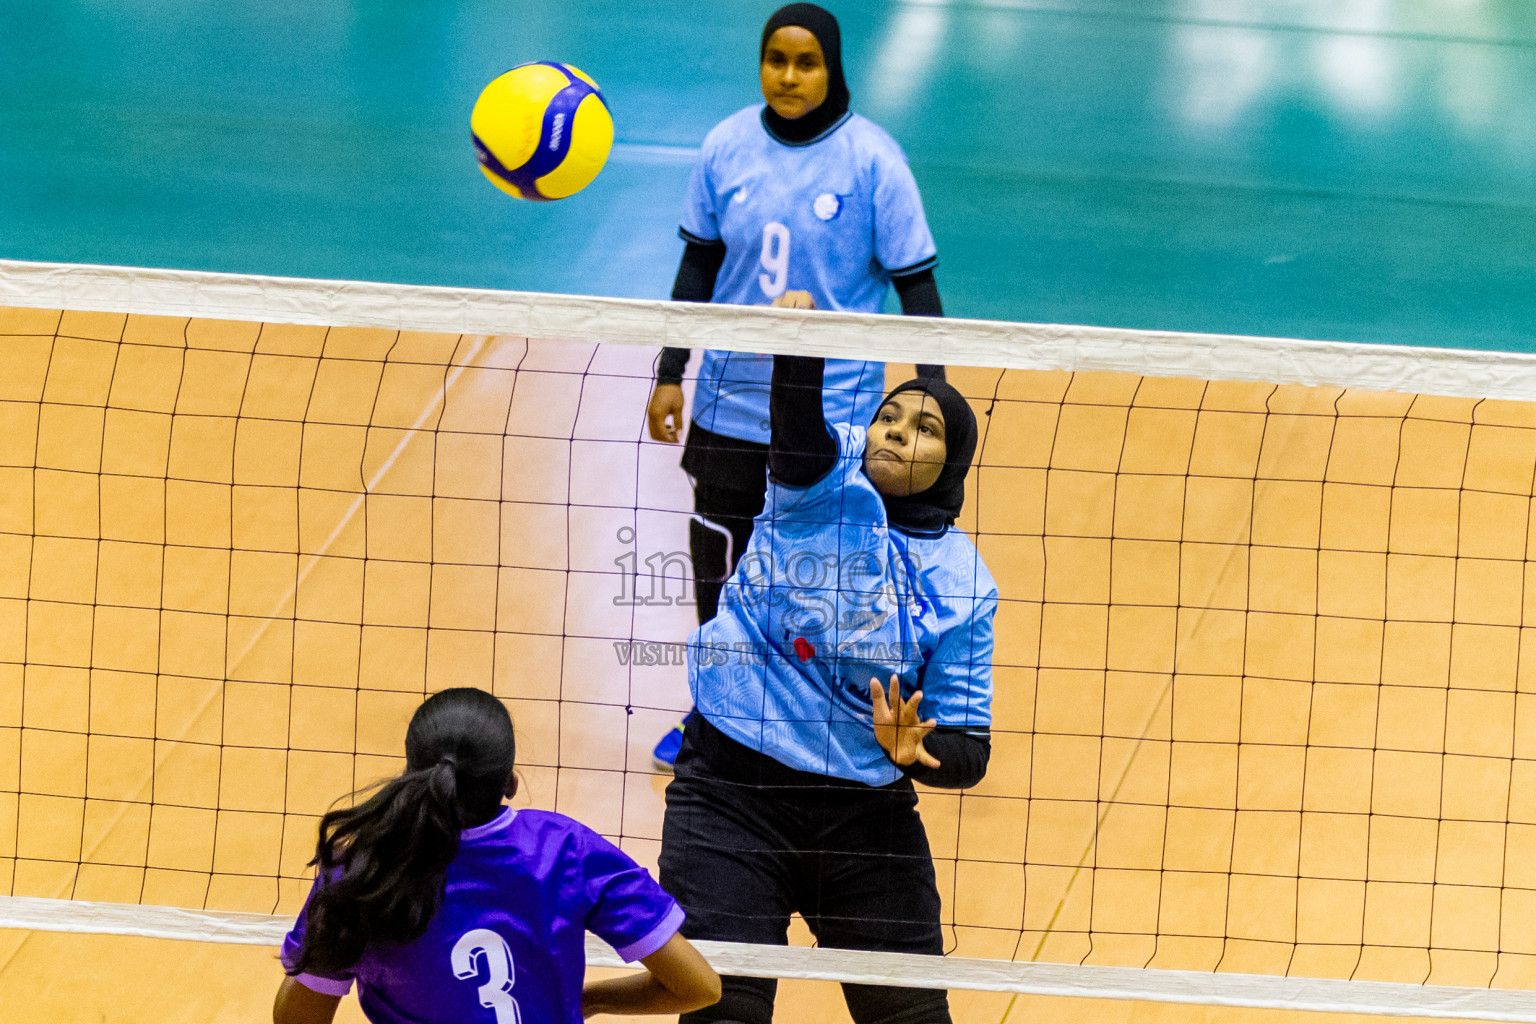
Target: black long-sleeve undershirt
column 963, row 753
column 700, row 267
column 801, row 447
column 919, row 294
column 695, row 282
column 697, row 271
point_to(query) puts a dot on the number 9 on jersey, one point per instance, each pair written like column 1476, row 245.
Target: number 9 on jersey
column 775, row 259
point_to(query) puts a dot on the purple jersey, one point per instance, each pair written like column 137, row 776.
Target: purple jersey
column 508, row 945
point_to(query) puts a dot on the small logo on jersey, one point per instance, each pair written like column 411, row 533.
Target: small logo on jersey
column 803, row 649
column 827, row 206
column 740, row 196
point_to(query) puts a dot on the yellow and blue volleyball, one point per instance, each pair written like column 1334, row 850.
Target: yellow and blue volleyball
column 541, row 131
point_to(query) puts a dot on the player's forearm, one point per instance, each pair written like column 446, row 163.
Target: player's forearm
column 802, row 449
column 670, row 366
column 695, row 282
column 633, row 993
column 639, row 993
column 677, row 979
column 962, row 753
column 919, row 295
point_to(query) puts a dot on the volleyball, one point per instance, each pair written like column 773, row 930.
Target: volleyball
column 541, row 131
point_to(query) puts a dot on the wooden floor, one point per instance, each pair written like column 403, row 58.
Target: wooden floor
column 1262, row 687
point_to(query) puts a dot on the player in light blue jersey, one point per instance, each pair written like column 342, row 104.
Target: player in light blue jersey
column 796, row 193
column 444, row 907
column 793, row 789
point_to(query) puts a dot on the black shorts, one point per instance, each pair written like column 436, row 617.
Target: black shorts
column 748, row 841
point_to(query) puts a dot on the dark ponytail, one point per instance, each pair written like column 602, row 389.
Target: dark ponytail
column 383, row 862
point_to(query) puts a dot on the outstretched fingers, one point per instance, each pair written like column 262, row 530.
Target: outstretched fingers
column 884, row 713
column 922, row 751
column 918, row 729
column 898, row 728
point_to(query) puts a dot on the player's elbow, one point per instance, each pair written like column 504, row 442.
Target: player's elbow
column 690, row 982
column 698, row 989
column 701, row 989
column 706, row 991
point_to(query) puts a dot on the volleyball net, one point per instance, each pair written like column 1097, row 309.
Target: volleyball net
column 1263, row 724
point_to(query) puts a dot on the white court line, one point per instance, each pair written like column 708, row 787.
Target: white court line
column 654, row 153
column 901, row 969
column 1410, row 369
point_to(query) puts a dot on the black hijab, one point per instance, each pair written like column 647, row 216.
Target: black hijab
column 814, row 123
column 933, row 510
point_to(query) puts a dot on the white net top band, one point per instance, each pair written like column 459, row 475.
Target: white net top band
column 1419, row 370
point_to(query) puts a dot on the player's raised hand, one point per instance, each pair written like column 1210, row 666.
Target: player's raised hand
column 666, row 404
column 795, row 300
column 898, row 730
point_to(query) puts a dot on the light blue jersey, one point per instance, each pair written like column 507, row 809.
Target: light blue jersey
column 827, row 596
column 836, row 218
column 731, row 397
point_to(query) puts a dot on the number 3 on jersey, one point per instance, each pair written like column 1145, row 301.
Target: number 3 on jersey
column 775, row 259
column 496, row 993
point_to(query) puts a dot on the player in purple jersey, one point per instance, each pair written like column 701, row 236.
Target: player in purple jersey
column 445, row 907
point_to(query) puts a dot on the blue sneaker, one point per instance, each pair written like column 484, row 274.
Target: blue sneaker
column 665, row 754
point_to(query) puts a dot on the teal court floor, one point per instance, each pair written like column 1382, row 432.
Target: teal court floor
column 1342, row 169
